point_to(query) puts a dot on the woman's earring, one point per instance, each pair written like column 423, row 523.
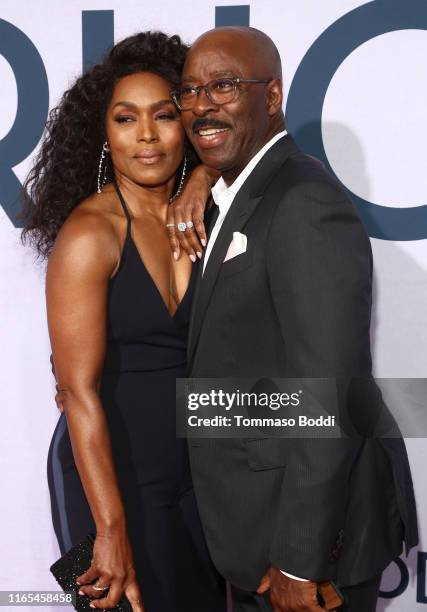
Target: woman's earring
column 105, row 150
column 181, row 182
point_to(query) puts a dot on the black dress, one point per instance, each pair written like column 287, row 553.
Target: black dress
column 146, row 352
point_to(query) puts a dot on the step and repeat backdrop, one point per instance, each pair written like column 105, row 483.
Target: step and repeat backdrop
column 356, row 97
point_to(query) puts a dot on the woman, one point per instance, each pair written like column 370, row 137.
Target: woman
column 118, row 310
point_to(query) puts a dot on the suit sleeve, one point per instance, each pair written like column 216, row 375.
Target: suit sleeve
column 319, row 266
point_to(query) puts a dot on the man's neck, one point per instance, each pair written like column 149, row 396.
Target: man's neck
column 229, row 176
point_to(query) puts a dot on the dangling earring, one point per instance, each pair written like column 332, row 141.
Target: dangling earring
column 105, row 150
column 181, row 182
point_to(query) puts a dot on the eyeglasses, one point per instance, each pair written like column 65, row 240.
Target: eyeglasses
column 218, row 91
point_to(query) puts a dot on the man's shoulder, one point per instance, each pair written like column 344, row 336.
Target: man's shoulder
column 302, row 177
column 301, row 169
column 302, row 189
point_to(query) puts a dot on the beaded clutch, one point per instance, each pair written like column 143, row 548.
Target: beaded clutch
column 74, row 563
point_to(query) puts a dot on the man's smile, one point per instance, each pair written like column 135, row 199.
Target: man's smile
column 209, row 132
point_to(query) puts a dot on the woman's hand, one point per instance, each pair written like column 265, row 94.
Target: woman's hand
column 58, row 396
column 190, row 206
column 112, row 566
column 58, row 399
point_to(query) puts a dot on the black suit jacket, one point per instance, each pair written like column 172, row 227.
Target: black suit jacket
column 296, row 304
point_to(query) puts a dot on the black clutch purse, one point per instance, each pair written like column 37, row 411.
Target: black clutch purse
column 74, row 563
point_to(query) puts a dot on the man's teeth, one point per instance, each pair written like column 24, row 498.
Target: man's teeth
column 212, row 131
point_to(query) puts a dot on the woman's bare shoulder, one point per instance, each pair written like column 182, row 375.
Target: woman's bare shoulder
column 89, row 234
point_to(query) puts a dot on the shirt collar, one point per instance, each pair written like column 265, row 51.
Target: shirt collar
column 223, row 196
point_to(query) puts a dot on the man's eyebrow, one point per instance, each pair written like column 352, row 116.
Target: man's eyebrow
column 188, row 78
column 224, row 73
column 214, row 75
column 134, row 106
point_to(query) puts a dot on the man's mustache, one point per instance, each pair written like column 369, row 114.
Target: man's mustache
column 204, row 122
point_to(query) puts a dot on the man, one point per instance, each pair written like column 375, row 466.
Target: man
column 282, row 515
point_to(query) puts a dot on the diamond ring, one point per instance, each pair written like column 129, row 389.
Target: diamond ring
column 182, row 226
column 98, row 588
column 170, row 225
column 189, row 224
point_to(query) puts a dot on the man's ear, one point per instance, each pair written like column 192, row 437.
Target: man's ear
column 274, row 96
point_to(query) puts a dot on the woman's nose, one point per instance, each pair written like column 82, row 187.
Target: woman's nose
column 147, row 132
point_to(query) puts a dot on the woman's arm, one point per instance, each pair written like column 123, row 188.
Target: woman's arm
column 83, row 259
column 190, row 206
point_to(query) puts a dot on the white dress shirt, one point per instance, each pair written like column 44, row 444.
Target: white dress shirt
column 224, row 196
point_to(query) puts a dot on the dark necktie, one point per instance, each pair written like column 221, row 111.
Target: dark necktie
column 210, row 218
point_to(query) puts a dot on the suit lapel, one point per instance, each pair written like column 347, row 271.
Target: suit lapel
column 233, row 222
column 243, row 206
column 210, row 218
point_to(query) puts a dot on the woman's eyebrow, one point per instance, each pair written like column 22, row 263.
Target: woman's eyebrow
column 132, row 105
column 161, row 103
column 125, row 103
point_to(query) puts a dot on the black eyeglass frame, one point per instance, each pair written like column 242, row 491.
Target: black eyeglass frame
column 198, row 88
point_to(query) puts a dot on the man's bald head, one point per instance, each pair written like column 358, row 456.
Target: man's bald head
column 227, row 135
column 253, row 44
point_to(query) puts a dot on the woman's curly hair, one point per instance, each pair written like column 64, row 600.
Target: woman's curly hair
column 65, row 171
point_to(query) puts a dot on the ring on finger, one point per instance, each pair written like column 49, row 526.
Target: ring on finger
column 170, row 225
column 182, row 226
column 189, row 224
column 100, row 588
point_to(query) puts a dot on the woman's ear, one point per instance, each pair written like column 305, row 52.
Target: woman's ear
column 274, row 96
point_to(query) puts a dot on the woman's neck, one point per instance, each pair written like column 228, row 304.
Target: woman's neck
column 143, row 200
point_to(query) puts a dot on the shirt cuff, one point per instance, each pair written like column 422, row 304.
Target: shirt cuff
column 295, row 577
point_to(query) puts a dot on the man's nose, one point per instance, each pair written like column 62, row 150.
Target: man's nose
column 203, row 104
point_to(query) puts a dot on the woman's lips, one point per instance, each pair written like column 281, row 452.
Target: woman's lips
column 148, row 158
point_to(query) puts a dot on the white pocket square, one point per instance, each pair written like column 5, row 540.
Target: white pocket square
column 237, row 246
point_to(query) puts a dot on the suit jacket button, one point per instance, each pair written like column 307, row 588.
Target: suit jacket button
column 340, row 538
column 336, row 551
column 334, row 556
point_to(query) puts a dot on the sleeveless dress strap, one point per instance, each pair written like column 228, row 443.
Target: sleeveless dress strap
column 125, row 208
column 128, row 237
